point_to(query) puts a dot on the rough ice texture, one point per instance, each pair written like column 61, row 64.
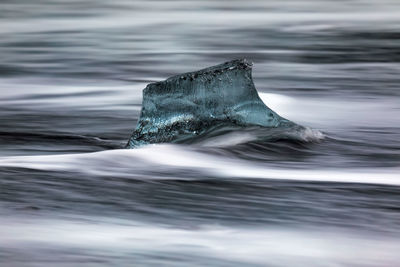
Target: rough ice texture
column 191, row 103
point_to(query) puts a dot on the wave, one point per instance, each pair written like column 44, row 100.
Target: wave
column 208, row 243
column 225, row 135
column 57, row 138
column 183, row 162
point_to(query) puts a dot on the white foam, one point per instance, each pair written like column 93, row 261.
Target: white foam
column 335, row 112
column 171, row 158
column 280, row 247
column 47, row 96
column 230, row 139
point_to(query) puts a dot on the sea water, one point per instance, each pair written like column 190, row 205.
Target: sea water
column 71, row 81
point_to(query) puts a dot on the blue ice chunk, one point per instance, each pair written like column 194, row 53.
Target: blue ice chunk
column 190, row 104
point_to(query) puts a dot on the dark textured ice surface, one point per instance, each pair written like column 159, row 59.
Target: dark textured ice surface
column 190, row 104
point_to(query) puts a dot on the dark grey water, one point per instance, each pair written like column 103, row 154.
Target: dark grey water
column 71, row 75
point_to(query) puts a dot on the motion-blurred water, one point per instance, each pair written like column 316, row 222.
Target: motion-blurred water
column 71, row 75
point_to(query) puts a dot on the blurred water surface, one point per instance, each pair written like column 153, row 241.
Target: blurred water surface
column 71, row 75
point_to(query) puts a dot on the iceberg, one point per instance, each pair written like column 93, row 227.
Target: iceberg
column 190, row 104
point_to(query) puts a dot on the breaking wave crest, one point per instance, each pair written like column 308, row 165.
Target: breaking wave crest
column 180, row 162
column 228, row 135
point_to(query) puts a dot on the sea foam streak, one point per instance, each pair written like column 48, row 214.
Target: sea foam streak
column 169, row 159
column 278, row 247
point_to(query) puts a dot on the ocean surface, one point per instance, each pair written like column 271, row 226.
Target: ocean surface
column 71, row 80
